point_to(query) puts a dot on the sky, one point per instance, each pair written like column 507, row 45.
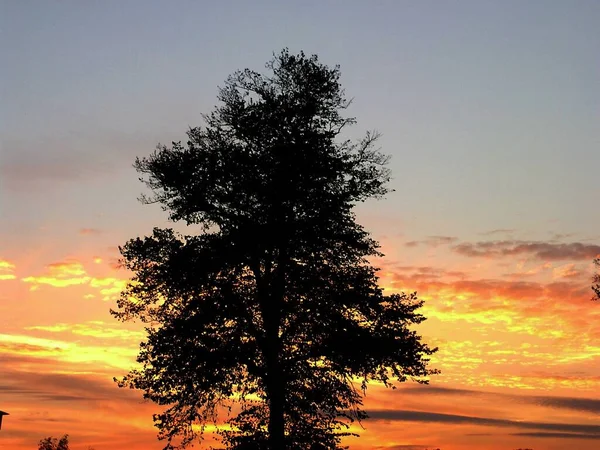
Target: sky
column 489, row 111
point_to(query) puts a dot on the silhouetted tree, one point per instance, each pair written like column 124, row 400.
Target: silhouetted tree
column 272, row 308
column 51, row 443
column 596, row 281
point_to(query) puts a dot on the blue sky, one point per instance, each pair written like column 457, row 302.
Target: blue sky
column 489, row 109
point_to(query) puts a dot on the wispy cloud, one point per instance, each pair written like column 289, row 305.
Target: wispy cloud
column 566, row 271
column 498, row 231
column 95, row 328
column 433, row 241
column 483, row 289
column 559, row 435
column 64, row 351
column 580, row 404
column 429, row 417
column 419, row 273
column 548, row 251
column 407, row 447
column 43, row 396
column 571, row 403
column 57, row 386
column 89, row 231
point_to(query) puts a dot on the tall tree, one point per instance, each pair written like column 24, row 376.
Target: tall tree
column 271, row 311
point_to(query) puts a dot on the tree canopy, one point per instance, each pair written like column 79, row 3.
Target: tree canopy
column 51, row 443
column 267, row 320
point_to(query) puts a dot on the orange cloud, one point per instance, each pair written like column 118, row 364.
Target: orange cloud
column 485, row 289
column 89, row 406
column 555, row 311
column 566, row 271
column 421, row 273
column 522, row 272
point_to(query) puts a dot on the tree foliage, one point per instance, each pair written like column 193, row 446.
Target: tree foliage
column 268, row 320
column 51, row 443
column 596, row 281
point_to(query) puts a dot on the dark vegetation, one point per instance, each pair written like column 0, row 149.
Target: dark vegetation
column 51, row 443
column 268, row 318
column 596, row 281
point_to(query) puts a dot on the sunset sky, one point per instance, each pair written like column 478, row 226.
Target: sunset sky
column 490, row 111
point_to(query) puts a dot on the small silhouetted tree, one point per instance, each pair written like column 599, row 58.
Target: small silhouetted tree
column 596, row 281
column 272, row 308
column 51, row 443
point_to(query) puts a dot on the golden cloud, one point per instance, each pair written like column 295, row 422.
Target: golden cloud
column 4, row 264
column 60, row 274
column 73, row 273
column 67, row 352
column 66, row 268
column 55, row 282
column 110, row 287
column 6, row 270
column 31, row 345
column 93, row 328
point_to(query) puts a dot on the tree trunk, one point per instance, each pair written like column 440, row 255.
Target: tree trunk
column 276, row 394
column 274, row 381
